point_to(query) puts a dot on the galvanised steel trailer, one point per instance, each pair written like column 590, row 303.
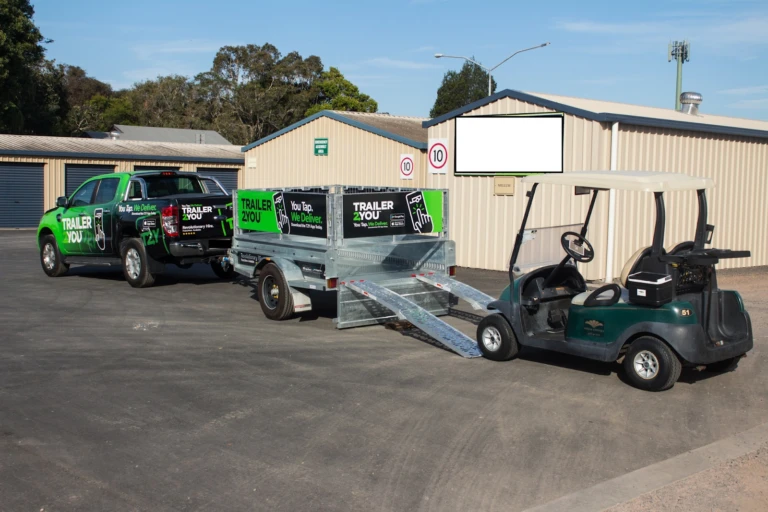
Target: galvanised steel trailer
column 385, row 251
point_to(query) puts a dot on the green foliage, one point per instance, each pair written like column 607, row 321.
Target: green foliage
column 250, row 91
column 461, row 88
column 21, row 56
column 338, row 93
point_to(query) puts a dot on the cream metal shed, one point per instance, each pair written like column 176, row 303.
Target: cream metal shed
column 605, row 136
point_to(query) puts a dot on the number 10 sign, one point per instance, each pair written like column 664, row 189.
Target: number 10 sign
column 438, row 156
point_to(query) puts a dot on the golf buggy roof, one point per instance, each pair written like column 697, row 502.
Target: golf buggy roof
column 642, row 181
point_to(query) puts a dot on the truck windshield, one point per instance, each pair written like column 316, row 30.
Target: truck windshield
column 161, row 186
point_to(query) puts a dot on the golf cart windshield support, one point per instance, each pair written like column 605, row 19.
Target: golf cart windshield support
column 701, row 224
column 519, row 239
column 661, row 220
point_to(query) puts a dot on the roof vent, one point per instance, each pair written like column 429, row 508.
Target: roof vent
column 689, row 103
column 114, row 135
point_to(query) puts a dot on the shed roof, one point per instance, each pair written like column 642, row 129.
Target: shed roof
column 642, row 181
column 608, row 111
column 407, row 130
column 74, row 147
column 154, row 134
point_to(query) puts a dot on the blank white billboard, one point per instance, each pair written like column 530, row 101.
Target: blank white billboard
column 509, row 144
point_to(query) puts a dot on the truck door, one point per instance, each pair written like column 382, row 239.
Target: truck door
column 77, row 221
column 103, row 216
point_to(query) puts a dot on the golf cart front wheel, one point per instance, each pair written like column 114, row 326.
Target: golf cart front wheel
column 496, row 339
column 651, row 365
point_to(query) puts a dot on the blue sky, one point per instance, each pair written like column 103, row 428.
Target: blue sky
column 614, row 51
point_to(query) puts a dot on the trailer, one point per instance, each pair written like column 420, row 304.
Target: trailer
column 384, row 252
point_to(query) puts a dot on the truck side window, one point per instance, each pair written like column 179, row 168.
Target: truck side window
column 107, row 190
column 84, row 195
column 134, row 191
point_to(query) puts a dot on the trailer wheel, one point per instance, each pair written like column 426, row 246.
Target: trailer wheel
column 496, row 339
column 651, row 365
column 274, row 294
column 136, row 264
column 50, row 257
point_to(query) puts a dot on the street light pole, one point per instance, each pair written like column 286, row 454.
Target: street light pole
column 489, row 70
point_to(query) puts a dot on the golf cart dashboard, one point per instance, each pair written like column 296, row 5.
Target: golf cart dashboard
column 568, row 283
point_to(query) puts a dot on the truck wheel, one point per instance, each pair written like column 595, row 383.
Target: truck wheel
column 136, row 264
column 273, row 293
column 50, row 257
column 496, row 339
column 223, row 271
column 727, row 365
column 651, row 365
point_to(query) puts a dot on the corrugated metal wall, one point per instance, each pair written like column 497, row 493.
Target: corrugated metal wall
column 484, row 226
column 737, row 205
column 355, row 157
column 55, row 175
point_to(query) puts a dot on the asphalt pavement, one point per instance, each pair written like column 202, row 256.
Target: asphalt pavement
column 185, row 397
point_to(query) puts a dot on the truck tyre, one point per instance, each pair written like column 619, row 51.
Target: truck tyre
column 651, row 365
column 136, row 264
column 496, row 339
column 727, row 365
column 50, row 257
column 273, row 293
column 223, row 271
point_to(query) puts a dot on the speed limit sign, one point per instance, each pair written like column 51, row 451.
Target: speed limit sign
column 406, row 167
column 438, row 156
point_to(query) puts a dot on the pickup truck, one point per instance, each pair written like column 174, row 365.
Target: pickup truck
column 140, row 221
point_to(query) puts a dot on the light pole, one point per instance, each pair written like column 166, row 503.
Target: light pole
column 488, row 70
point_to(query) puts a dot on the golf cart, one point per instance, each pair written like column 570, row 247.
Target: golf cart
column 666, row 312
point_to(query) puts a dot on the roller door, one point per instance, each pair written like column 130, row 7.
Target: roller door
column 75, row 175
column 227, row 177
column 21, row 195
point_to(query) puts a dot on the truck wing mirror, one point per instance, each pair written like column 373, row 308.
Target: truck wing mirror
column 62, row 202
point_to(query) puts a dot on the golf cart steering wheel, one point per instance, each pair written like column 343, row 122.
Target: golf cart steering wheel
column 577, row 247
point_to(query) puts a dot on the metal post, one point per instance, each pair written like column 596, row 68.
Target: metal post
column 489, row 83
column 679, row 89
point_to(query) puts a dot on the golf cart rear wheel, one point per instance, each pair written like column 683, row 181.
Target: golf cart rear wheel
column 274, row 294
column 496, row 339
column 651, row 365
column 727, row 365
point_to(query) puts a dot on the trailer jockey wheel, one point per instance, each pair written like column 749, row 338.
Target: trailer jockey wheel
column 577, row 247
column 274, row 294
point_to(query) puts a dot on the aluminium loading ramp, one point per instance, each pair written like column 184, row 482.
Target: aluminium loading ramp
column 476, row 298
column 418, row 316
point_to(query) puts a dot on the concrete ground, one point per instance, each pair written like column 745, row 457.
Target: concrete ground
column 184, row 397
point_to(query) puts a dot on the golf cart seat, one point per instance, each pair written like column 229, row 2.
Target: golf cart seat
column 607, row 297
column 632, row 263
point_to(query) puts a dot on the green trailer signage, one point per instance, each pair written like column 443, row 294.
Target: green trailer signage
column 295, row 213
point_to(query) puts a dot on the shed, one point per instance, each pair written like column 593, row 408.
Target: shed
column 601, row 135
column 334, row 147
column 34, row 170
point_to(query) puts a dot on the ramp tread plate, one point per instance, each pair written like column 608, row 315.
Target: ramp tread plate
column 420, row 317
column 459, row 289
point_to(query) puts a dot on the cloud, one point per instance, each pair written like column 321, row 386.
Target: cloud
column 744, row 91
column 179, row 47
column 423, row 49
column 750, row 104
column 386, row 62
column 596, row 27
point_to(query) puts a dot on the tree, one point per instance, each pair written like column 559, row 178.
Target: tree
column 338, row 93
column 21, row 56
column 80, row 87
column 167, row 102
column 252, row 91
column 459, row 89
